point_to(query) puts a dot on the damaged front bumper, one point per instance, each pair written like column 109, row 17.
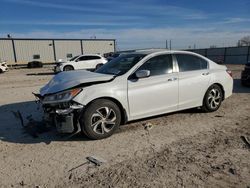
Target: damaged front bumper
column 65, row 116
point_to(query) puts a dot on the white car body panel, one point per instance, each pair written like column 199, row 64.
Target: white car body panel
column 191, row 85
column 154, row 95
column 71, row 79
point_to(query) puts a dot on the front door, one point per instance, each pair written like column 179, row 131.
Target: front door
column 156, row 94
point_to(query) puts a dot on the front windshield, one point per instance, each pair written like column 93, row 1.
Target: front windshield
column 73, row 58
column 121, row 64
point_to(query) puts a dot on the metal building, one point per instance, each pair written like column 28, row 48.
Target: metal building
column 21, row 51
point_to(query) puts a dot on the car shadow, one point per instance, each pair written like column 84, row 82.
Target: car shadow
column 239, row 88
column 41, row 74
column 11, row 129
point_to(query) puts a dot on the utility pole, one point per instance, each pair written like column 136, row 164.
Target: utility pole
column 170, row 44
column 166, row 44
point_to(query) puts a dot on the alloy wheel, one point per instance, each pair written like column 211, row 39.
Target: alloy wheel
column 103, row 120
column 214, row 98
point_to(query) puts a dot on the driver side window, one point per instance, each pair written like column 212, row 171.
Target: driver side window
column 159, row 65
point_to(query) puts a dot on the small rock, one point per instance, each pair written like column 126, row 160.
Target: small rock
column 70, row 176
column 218, row 116
column 21, row 183
column 148, row 126
column 226, row 141
column 232, row 171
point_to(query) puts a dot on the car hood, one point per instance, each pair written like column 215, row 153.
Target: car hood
column 69, row 79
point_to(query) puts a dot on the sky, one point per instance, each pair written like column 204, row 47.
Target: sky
column 133, row 23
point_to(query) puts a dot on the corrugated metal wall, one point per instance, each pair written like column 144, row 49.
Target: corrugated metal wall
column 6, row 51
column 26, row 49
column 98, row 47
column 67, row 47
column 50, row 49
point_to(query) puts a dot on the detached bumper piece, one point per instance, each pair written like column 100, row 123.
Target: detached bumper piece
column 65, row 119
column 65, row 123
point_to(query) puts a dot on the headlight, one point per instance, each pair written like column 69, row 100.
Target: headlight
column 64, row 96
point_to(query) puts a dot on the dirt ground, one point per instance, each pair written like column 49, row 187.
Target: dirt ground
column 184, row 149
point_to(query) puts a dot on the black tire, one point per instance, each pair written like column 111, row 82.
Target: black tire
column 35, row 64
column 243, row 83
column 1, row 71
column 68, row 68
column 212, row 99
column 98, row 66
column 93, row 124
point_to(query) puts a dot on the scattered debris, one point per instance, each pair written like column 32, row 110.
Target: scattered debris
column 226, row 141
column 232, row 171
column 94, row 160
column 218, row 116
column 33, row 127
column 79, row 166
column 246, row 141
column 70, row 176
column 22, row 183
column 147, row 126
column 91, row 160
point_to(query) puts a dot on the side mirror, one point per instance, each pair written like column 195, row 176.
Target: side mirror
column 142, row 73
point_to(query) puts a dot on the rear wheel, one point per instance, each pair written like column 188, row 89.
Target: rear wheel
column 68, row 68
column 212, row 99
column 1, row 70
column 101, row 118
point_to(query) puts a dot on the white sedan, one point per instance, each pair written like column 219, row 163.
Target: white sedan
column 3, row 67
column 134, row 86
column 86, row 61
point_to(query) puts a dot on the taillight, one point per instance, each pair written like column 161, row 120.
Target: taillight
column 230, row 73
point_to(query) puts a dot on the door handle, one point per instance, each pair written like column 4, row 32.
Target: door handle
column 205, row 73
column 172, row 79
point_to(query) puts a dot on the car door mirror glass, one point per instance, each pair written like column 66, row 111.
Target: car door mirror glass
column 142, row 74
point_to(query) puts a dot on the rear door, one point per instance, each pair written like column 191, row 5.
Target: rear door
column 157, row 93
column 87, row 62
column 194, row 77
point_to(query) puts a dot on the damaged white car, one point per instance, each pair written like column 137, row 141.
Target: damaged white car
column 3, row 67
column 133, row 86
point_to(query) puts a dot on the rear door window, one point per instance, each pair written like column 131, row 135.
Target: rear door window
column 188, row 62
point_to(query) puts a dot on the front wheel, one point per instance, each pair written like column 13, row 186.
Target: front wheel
column 212, row 99
column 68, row 68
column 100, row 119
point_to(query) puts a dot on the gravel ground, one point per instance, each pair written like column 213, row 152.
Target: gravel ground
column 184, row 149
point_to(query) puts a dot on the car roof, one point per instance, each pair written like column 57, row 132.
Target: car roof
column 157, row 51
column 90, row 55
